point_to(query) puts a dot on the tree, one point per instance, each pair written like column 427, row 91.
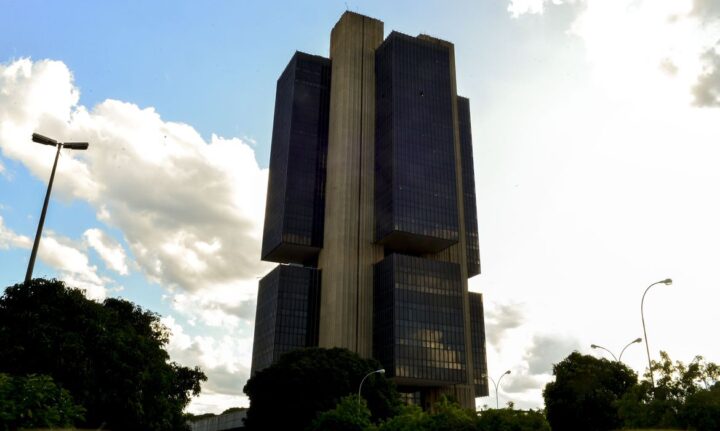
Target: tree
column 409, row 418
column 35, row 401
column 449, row 416
column 702, row 409
column 305, row 382
column 584, row 393
column 666, row 404
column 512, row 420
column 351, row 414
column 110, row 356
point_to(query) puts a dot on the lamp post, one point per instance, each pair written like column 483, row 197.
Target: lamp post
column 497, row 401
column 668, row 282
column 618, row 358
column 381, row 371
column 595, row 346
column 40, row 139
column 637, row 340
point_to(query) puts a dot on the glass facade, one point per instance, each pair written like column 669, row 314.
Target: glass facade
column 418, row 333
column 287, row 313
column 477, row 331
column 415, row 180
column 472, row 245
column 295, row 207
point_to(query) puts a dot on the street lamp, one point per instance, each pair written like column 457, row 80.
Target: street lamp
column 637, row 340
column 40, row 139
column 595, row 346
column 619, row 358
column 381, row 371
column 497, row 401
column 668, row 282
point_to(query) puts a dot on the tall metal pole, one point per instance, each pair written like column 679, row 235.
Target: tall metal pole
column 642, row 315
column 497, row 400
column 38, row 234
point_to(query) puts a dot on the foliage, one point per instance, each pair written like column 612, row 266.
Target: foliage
column 308, row 381
column 584, row 393
column 667, row 404
column 446, row 415
column 351, row 414
column 35, row 401
column 702, row 409
column 449, row 416
column 110, row 356
column 409, row 418
column 512, row 420
column 233, row 409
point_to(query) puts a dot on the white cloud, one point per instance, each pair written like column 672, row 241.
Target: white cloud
column 110, row 251
column 225, row 360
column 73, row 265
column 501, row 318
column 10, row 239
column 191, row 211
column 521, row 7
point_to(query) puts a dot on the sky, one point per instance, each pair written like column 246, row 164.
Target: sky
column 596, row 133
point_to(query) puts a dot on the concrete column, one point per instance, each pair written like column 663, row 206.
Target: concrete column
column 348, row 252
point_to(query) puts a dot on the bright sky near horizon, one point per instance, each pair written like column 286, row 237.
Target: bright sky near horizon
column 596, row 129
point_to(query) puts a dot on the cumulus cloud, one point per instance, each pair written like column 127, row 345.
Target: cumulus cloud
column 707, row 9
column 707, row 89
column 658, row 51
column 501, row 318
column 73, row 265
column 189, row 209
column 10, row 239
column 225, row 361
column 547, row 350
column 109, row 250
column 521, row 7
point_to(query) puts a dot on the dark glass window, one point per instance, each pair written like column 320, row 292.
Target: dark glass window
column 477, row 331
column 287, row 313
column 472, row 245
column 295, row 208
column 415, row 182
column 419, row 333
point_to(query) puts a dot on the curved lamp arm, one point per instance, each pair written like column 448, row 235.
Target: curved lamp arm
column 668, row 282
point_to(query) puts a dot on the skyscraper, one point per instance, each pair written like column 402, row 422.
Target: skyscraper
column 371, row 213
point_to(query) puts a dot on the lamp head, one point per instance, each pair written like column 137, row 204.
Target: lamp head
column 667, row 281
column 40, row 139
column 593, row 346
column 381, row 371
column 76, row 145
column 507, row 372
column 638, row 340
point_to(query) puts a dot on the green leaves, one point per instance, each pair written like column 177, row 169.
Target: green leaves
column 110, row 356
column 35, row 401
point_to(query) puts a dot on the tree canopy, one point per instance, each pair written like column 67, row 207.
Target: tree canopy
column 306, row 382
column 585, row 392
column 110, row 356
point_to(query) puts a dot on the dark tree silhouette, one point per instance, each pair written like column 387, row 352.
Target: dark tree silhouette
column 585, row 392
column 110, row 356
column 303, row 383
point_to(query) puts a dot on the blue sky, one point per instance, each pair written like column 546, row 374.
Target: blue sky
column 595, row 138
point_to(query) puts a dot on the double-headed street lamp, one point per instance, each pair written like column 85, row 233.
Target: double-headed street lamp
column 617, row 359
column 497, row 401
column 40, row 139
column 668, row 282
